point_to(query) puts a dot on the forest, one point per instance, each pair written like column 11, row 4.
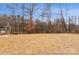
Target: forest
column 24, row 18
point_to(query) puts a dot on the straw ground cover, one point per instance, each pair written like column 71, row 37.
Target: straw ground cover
column 36, row 44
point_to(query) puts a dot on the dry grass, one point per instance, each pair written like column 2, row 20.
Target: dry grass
column 39, row 44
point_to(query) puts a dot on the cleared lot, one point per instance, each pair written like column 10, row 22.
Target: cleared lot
column 39, row 44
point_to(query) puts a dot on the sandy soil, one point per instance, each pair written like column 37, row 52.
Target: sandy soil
column 36, row 44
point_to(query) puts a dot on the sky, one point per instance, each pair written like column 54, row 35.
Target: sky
column 69, row 9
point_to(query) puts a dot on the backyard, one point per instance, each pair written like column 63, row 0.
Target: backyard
column 39, row 44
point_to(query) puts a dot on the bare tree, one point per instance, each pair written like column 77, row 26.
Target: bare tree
column 21, row 19
column 31, row 9
column 61, row 25
column 10, row 7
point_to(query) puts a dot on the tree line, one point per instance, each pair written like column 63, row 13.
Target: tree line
column 25, row 23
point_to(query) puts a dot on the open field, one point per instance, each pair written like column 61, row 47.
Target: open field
column 39, row 44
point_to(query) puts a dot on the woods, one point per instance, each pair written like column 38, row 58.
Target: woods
column 38, row 18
